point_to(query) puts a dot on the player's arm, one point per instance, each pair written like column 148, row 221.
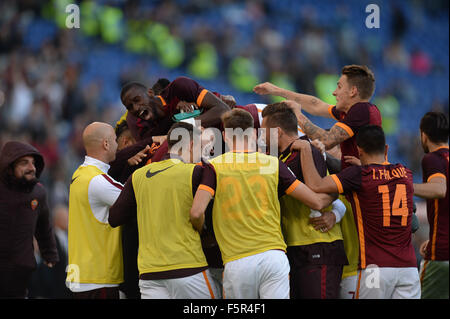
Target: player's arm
column 336, row 135
column 125, row 207
column 310, row 198
column 213, row 108
column 310, row 174
column 309, row 103
column 201, row 200
column 435, row 187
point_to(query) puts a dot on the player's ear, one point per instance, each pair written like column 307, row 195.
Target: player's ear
column 386, row 149
column 151, row 92
column 354, row 91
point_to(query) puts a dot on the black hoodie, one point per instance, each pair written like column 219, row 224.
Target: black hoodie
column 24, row 213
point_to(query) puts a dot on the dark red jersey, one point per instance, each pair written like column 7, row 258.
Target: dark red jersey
column 382, row 202
column 359, row 115
column 180, row 89
column 435, row 164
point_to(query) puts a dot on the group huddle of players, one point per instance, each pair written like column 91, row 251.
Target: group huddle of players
column 331, row 218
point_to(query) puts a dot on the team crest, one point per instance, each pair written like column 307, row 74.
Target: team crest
column 34, row 204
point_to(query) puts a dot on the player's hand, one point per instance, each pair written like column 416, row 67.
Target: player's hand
column 136, row 159
column 265, row 89
column 423, row 248
column 352, row 160
column 183, row 106
column 298, row 145
column 49, row 264
column 319, row 145
column 323, row 223
column 229, row 100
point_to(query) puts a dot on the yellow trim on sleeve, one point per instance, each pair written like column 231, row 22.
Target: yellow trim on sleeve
column 338, row 183
column 436, row 175
column 207, row 188
column 293, row 186
column 346, row 128
column 201, row 96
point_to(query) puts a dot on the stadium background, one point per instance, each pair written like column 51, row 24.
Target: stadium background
column 55, row 80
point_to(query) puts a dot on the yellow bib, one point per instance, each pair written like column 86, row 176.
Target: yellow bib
column 351, row 240
column 95, row 248
column 246, row 213
column 167, row 240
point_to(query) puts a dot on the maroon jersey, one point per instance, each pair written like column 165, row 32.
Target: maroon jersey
column 382, row 202
column 180, row 89
column 359, row 115
column 435, row 164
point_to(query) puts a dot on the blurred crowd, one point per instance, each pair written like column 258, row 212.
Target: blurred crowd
column 49, row 91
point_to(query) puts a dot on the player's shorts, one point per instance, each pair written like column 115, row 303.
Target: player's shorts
column 388, row 283
column 198, row 286
column 348, row 287
column 434, row 279
column 261, row 276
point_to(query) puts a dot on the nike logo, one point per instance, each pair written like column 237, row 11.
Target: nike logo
column 151, row 174
column 73, row 179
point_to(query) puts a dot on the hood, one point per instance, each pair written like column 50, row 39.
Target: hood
column 12, row 151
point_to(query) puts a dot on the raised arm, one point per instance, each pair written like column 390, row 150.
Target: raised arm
column 310, row 198
column 309, row 103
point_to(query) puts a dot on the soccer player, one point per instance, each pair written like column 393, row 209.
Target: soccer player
column 95, row 267
column 316, row 257
column 151, row 115
column 434, row 267
column 170, row 259
column 352, row 110
column 382, row 202
column 246, row 186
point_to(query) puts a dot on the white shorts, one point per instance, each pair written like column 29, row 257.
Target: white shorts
column 198, row 286
column 388, row 283
column 260, row 276
column 348, row 287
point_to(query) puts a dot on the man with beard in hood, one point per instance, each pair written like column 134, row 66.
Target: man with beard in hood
column 24, row 213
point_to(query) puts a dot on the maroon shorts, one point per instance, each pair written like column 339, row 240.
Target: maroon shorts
column 316, row 270
column 101, row 293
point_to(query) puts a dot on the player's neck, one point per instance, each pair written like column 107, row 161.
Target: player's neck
column 285, row 141
column 378, row 159
column 432, row 147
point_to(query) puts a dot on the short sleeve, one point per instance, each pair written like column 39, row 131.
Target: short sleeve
column 357, row 116
column 348, row 180
column 186, row 89
column 286, row 179
column 208, row 181
column 433, row 166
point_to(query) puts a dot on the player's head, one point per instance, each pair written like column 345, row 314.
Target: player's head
column 433, row 129
column 357, row 83
column 279, row 122
column 371, row 141
column 159, row 86
column 138, row 101
column 183, row 140
column 124, row 136
column 239, row 129
column 100, row 141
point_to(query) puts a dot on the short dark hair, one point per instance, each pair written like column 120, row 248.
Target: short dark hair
column 361, row 77
column 120, row 128
column 237, row 118
column 435, row 126
column 172, row 140
column 160, row 85
column 371, row 139
column 131, row 85
column 281, row 115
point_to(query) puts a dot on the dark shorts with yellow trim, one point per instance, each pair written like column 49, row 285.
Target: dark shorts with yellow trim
column 316, row 270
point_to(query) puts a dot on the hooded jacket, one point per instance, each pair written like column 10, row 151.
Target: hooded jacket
column 24, row 213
